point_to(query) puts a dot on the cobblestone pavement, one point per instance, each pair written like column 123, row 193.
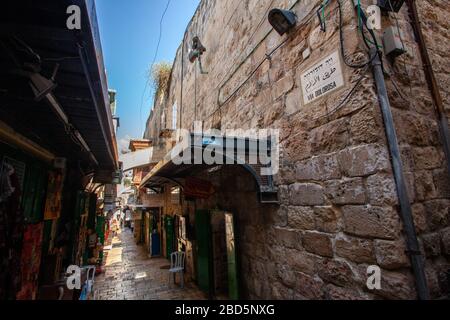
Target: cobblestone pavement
column 130, row 275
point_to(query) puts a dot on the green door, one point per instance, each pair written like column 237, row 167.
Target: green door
column 233, row 284
column 169, row 236
column 34, row 192
column 100, row 230
column 92, row 198
column 204, row 250
column 77, row 225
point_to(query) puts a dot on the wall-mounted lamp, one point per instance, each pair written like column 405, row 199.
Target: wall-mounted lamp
column 196, row 52
column 390, row 5
column 41, row 86
column 282, row 20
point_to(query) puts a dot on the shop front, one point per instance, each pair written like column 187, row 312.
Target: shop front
column 217, row 205
column 56, row 136
column 152, row 232
column 22, row 195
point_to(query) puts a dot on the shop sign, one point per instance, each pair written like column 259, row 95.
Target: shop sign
column 53, row 201
column 137, row 216
column 322, row 79
column 152, row 200
column 197, row 188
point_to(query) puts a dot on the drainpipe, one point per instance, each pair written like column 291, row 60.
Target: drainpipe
column 412, row 244
column 182, row 80
column 431, row 80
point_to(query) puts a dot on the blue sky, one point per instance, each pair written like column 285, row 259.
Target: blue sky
column 129, row 31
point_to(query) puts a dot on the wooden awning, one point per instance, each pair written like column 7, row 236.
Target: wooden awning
column 170, row 171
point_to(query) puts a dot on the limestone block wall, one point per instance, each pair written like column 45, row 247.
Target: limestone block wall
column 419, row 136
column 338, row 210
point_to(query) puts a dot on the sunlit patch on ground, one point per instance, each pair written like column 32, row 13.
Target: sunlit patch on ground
column 129, row 274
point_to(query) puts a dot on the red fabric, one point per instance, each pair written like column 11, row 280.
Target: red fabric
column 31, row 261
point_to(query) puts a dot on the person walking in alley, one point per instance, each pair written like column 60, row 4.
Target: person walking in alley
column 128, row 218
column 119, row 216
column 114, row 227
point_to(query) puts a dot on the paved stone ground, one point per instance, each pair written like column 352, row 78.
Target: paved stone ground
column 130, row 275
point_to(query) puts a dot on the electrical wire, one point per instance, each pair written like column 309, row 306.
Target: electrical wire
column 361, row 25
column 398, row 25
column 401, row 38
column 250, row 39
column 321, row 15
column 253, row 72
column 398, row 90
column 224, row 82
column 348, row 95
column 267, row 57
column 342, row 44
column 406, row 73
column 153, row 62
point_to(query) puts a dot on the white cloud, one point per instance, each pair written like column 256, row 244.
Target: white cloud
column 124, row 143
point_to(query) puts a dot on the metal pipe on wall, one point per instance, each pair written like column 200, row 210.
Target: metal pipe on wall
column 412, row 243
column 431, row 80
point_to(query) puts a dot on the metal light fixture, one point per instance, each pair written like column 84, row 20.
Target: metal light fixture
column 41, row 86
column 391, row 5
column 197, row 50
column 196, row 53
column 282, row 20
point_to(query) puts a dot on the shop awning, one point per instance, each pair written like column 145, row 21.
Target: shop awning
column 36, row 33
column 169, row 170
column 136, row 159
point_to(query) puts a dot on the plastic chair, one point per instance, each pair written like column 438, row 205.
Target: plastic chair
column 90, row 276
column 84, row 294
column 177, row 266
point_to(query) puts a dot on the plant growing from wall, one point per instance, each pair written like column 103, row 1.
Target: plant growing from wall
column 127, row 182
column 160, row 77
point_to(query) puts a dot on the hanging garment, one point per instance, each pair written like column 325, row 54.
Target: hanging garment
column 11, row 238
column 6, row 188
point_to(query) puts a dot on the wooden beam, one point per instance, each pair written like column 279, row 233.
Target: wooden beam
column 37, row 32
column 10, row 135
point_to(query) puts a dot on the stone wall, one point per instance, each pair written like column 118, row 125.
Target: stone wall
column 338, row 210
column 419, row 136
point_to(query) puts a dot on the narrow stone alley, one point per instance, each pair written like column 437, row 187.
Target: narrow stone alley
column 129, row 274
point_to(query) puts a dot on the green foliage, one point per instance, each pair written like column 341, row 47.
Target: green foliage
column 127, row 182
column 160, row 76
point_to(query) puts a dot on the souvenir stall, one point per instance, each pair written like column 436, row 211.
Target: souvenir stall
column 80, row 230
column 52, row 255
column 137, row 225
column 31, row 261
column 100, row 229
column 24, row 181
column 93, row 245
column 11, row 227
